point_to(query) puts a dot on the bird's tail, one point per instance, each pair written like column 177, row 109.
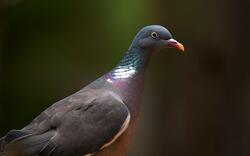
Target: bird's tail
column 1, row 146
column 20, row 143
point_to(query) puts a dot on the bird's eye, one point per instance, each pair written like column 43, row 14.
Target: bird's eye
column 154, row 35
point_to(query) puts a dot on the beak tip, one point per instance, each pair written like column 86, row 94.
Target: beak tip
column 181, row 47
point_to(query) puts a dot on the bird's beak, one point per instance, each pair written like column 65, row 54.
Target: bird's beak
column 172, row 43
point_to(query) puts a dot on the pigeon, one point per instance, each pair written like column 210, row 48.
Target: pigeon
column 100, row 119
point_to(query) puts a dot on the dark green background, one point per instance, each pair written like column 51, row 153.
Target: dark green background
column 194, row 104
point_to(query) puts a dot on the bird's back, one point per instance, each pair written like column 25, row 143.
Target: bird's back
column 83, row 123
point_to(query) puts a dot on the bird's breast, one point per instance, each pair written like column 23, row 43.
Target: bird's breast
column 121, row 145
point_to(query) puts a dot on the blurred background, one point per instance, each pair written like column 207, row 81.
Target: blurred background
column 194, row 104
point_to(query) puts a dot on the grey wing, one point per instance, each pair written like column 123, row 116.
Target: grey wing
column 74, row 127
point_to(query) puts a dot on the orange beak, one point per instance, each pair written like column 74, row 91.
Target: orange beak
column 175, row 44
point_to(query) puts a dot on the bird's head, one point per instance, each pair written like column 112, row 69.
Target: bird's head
column 154, row 38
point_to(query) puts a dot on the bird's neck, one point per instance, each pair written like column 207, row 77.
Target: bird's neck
column 128, row 76
column 131, row 67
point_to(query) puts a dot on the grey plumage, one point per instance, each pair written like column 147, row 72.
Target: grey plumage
column 99, row 119
column 95, row 114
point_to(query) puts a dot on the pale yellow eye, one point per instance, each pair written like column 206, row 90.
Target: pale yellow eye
column 154, row 35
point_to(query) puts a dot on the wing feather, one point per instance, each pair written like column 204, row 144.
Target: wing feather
column 81, row 124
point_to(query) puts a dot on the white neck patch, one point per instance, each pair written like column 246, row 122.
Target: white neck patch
column 124, row 72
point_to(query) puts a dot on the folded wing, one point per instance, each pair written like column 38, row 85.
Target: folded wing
column 81, row 124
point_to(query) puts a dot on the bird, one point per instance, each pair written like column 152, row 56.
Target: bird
column 101, row 118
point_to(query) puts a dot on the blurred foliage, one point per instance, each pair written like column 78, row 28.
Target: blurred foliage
column 194, row 104
column 47, row 44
